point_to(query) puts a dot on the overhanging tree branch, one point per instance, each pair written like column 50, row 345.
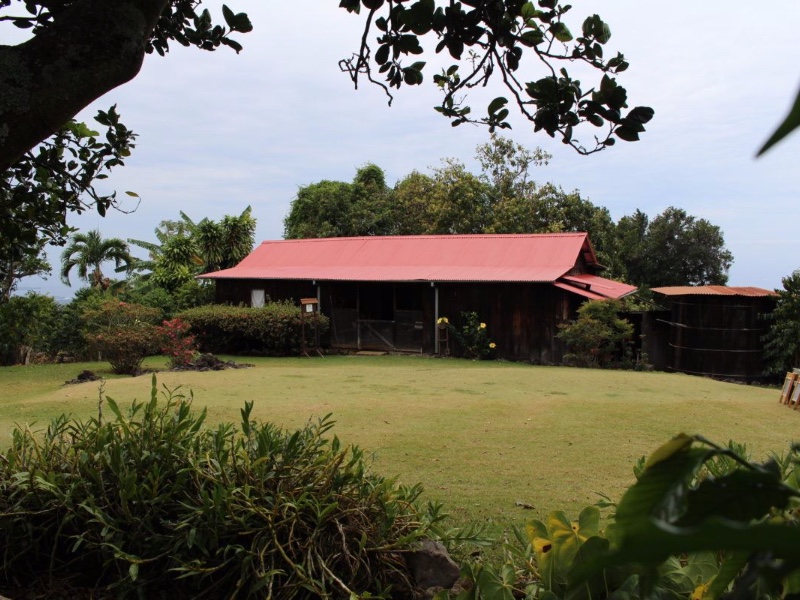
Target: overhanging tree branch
column 496, row 35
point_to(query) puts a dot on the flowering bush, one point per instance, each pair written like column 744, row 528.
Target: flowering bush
column 122, row 333
column 178, row 344
column 275, row 329
column 472, row 337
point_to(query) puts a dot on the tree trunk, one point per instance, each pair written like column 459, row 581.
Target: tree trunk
column 92, row 47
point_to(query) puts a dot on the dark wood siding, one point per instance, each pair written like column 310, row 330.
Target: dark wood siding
column 720, row 336
column 522, row 318
column 654, row 338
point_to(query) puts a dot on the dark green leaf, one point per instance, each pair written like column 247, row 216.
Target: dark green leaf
column 627, row 133
column 641, row 114
column 532, row 37
column 561, row 32
column 242, row 23
column 789, row 124
column 528, row 11
column 228, row 15
column 497, row 104
column 382, row 55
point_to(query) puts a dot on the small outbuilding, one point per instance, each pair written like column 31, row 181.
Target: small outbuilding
column 387, row 293
column 711, row 330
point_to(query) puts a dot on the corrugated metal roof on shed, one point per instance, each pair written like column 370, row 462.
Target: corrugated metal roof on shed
column 714, row 290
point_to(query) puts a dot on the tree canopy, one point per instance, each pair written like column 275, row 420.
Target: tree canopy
column 79, row 50
column 674, row 248
column 185, row 249
column 782, row 341
column 502, row 39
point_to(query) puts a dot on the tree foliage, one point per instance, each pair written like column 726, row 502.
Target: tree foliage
column 88, row 251
column 339, row 209
column 26, row 325
column 21, row 260
column 782, row 341
column 78, row 50
column 502, row 39
column 185, row 249
column 675, row 248
column 46, row 184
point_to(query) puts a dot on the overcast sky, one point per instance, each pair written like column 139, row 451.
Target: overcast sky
column 220, row 131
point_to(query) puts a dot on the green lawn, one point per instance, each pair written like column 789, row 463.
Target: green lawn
column 480, row 436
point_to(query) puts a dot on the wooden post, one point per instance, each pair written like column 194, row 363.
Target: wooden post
column 309, row 307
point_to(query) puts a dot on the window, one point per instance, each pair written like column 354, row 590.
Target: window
column 257, row 298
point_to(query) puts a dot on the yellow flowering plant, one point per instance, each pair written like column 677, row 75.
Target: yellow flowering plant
column 473, row 338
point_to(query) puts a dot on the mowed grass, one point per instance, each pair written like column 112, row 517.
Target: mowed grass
column 480, row 436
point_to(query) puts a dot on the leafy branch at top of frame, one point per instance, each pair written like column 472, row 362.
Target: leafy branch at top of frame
column 60, row 175
column 182, row 21
column 491, row 38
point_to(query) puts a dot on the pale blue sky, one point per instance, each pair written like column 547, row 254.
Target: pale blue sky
column 219, row 131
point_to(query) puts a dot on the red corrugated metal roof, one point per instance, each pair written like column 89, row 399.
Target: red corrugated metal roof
column 580, row 291
column 521, row 257
column 605, row 288
column 713, row 290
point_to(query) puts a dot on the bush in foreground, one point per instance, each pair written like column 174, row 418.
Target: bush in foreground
column 150, row 504
column 701, row 522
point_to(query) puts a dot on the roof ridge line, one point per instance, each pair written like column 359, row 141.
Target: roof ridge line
column 434, row 236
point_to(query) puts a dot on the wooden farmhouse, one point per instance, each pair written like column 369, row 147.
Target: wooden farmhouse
column 387, row 293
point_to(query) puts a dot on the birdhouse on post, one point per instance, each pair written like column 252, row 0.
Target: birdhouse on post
column 309, row 312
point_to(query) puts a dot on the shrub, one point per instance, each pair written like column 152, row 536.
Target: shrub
column 274, row 329
column 66, row 336
column 701, row 521
column 472, row 337
column 598, row 337
column 169, row 301
column 154, row 297
column 122, row 333
column 177, row 343
column 152, row 504
column 782, row 340
column 25, row 327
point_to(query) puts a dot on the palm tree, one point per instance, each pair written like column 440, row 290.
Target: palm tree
column 225, row 243
column 185, row 248
column 88, row 251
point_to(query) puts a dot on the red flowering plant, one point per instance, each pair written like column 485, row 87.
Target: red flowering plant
column 178, row 344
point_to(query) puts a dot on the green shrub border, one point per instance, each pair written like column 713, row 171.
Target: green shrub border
column 272, row 330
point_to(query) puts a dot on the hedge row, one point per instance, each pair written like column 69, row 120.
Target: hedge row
column 273, row 330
